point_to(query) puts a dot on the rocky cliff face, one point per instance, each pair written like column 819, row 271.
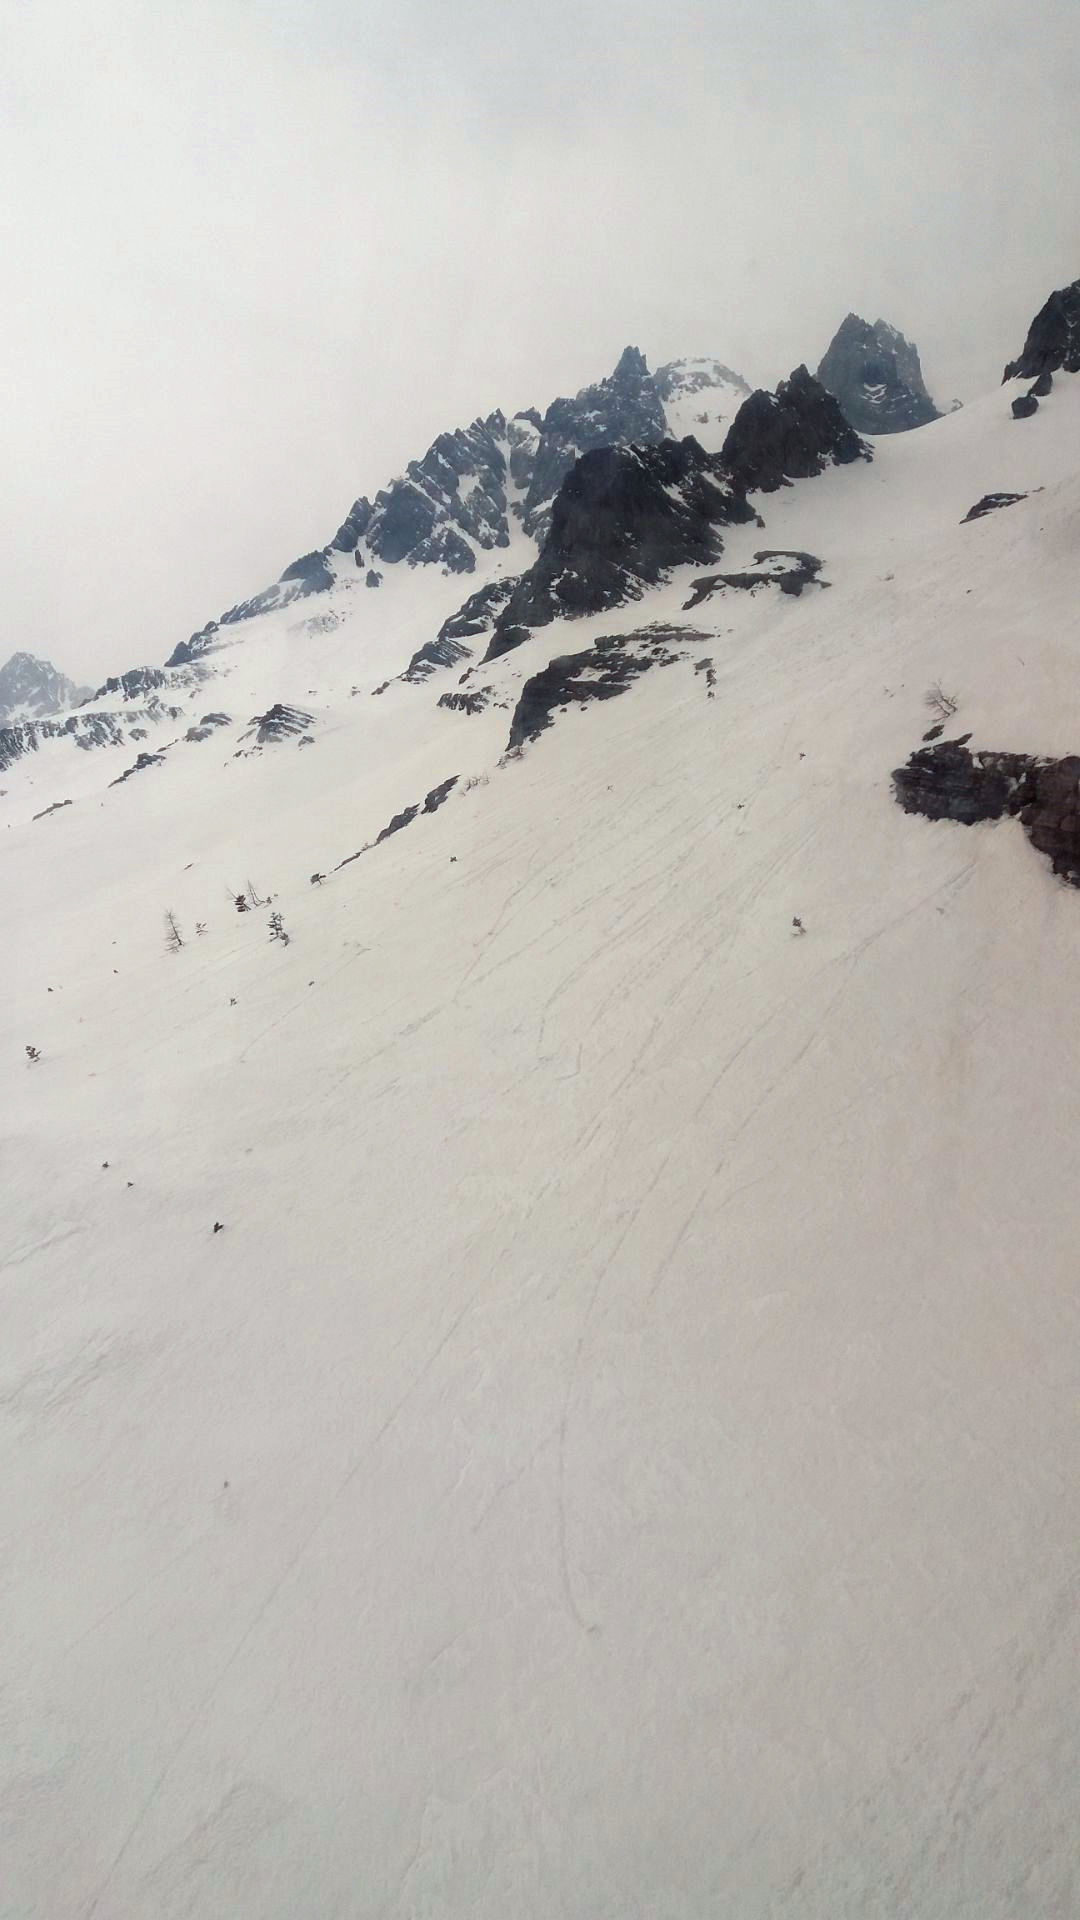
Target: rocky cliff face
column 475, row 486
column 791, row 434
column 876, row 376
column 31, row 688
column 625, row 516
column 1053, row 340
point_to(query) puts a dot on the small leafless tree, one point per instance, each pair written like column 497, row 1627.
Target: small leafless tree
column 32, row 1054
column 277, row 929
column 941, row 704
column 174, row 939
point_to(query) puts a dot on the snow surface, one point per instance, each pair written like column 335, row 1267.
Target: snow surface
column 618, row 1458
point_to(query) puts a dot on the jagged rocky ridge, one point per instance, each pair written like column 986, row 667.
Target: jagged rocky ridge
column 877, row 377
column 87, row 730
column 475, row 485
column 947, row 781
column 624, row 517
column 31, row 689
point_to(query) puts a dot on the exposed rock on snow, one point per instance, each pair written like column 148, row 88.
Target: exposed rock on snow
column 86, row 730
column 623, row 410
column 208, row 725
column 601, row 672
column 949, row 782
column 1053, row 341
column 473, row 702
column 791, row 434
column 989, row 504
column 431, row 803
column 876, row 376
column 144, row 760
column 55, row 808
column 278, row 723
column 435, row 654
column 31, row 688
column 1024, row 406
column 623, row 518
column 801, row 571
column 140, row 682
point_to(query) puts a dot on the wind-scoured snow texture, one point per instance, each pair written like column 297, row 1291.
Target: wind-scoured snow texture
column 1053, row 340
column 31, row 688
column 877, row 377
column 623, row 519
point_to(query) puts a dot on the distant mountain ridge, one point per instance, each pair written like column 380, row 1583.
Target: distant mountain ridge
column 31, row 689
column 478, row 486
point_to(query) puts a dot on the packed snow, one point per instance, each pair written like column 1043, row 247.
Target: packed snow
column 554, row 1393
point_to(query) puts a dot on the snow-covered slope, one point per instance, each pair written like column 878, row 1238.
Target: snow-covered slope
column 615, row 1456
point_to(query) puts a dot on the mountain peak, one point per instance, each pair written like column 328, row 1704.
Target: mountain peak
column 876, row 375
column 632, row 365
column 31, row 688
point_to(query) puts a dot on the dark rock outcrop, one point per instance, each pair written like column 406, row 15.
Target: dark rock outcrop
column 1053, row 340
column 57, row 807
column 1024, row 406
column 601, row 672
column 949, row 782
column 623, row 410
column 428, row 659
column 990, row 503
column 468, row 489
column 208, row 725
column 430, row 804
column 33, row 688
column 144, row 760
column 473, row 702
column 770, row 570
column 85, row 730
column 791, row 434
column 277, row 724
column 876, row 376
column 623, row 518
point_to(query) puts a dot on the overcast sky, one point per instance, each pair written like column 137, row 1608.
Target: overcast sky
column 256, row 253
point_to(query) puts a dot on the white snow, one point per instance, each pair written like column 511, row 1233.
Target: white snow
column 617, row 1459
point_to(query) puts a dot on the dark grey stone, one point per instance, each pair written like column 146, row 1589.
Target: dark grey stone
column 876, row 376
column 1053, row 339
